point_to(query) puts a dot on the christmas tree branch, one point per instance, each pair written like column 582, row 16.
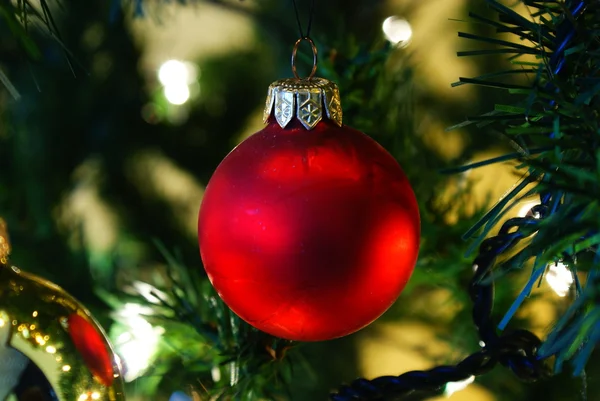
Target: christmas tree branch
column 226, row 355
column 556, row 113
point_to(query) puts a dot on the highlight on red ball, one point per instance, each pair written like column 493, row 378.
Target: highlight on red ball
column 309, row 235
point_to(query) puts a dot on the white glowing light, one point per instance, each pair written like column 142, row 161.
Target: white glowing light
column 149, row 292
column 559, row 278
column 215, row 372
column 177, row 94
column 134, row 310
column 176, row 77
column 397, row 30
column 453, row 387
column 525, row 209
column 173, row 72
column 137, row 346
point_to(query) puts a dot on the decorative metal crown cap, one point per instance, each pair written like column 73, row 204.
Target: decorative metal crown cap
column 306, row 99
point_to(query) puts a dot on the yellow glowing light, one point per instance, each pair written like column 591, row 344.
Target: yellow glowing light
column 35, row 313
column 177, row 94
column 83, row 397
column 2, row 322
column 66, row 368
column 50, row 349
column 453, row 387
column 32, row 327
column 397, row 31
column 40, row 340
column 559, row 278
column 95, row 396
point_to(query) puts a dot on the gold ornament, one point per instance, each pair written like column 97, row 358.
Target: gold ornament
column 57, row 333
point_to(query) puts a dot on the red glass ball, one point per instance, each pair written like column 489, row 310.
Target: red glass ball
column 309, row 235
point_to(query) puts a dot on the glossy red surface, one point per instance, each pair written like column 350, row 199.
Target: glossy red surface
column 309, row 235
column 92, row 347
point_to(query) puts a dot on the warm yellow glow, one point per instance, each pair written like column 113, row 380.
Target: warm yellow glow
column 453, row 387
column 50, row 349
column 83, row 397
column 86, row 216
column 2, row 322
column 159, row 177
column 24, row 330
column 66, row 368
column 40, row 340
column 397, row 31
column 559, row 278
column 35, row 313
column 95, row 396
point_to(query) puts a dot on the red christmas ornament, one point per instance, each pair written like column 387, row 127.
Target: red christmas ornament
column 308, row 230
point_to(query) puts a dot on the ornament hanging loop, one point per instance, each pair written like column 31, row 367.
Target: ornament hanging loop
column 315, row 57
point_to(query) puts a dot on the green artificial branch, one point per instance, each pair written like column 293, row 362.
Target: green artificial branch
column 555, row 124
column 204, row 336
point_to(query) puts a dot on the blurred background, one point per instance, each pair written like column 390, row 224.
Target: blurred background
column 108, row 138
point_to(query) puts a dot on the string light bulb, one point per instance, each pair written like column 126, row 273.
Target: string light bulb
column 176, row 77
column 559, row 277
column 397, row 31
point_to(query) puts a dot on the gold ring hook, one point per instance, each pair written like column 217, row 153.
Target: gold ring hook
column 314, row 52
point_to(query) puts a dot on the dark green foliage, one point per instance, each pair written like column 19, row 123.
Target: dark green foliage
column 68, row 114
column 553, row 123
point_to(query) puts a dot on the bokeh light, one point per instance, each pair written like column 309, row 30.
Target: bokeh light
column 177, row 94
column 397, row 30
column 559, row 278
column 176, row 77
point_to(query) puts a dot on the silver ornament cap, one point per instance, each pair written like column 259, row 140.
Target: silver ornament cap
column 308, row 99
